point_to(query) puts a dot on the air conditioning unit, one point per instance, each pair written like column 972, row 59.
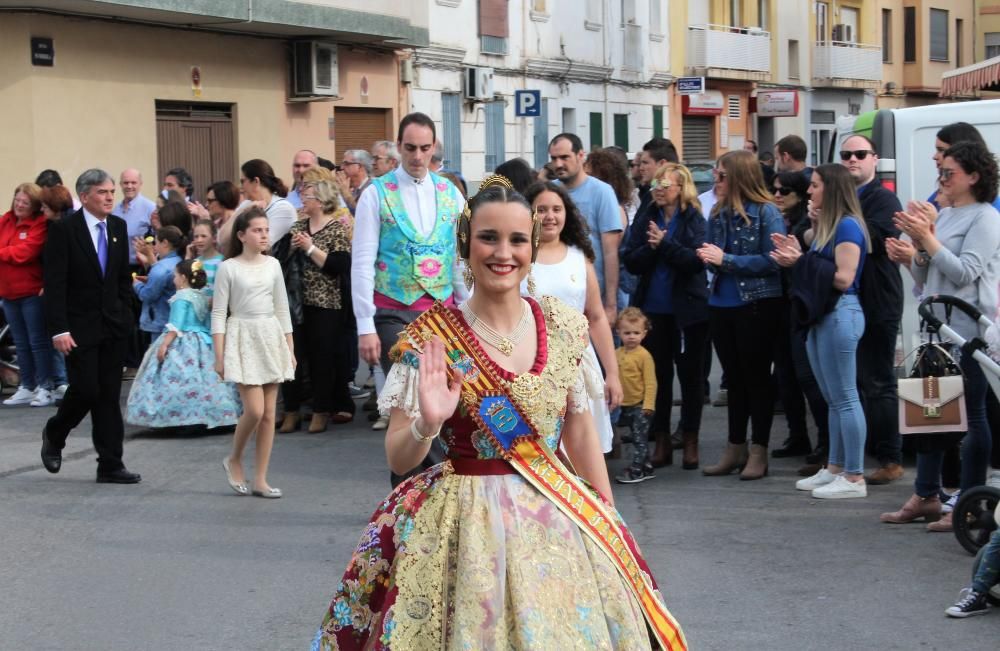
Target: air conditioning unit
column 479, row 83
column 314, row 69
column 843, row 33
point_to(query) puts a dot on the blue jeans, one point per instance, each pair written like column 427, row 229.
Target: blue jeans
column 58, row 369
column 976, row 444
column 26, row 317
column 988, row 573
column 832, row 347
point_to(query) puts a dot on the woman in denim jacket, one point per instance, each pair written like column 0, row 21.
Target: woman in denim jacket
column 744, row 306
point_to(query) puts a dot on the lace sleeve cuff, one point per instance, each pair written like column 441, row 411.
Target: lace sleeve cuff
column 578, row 399
column 400, row 391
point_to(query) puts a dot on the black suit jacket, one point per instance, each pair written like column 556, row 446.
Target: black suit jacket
column 78, row 299
column 881, row 292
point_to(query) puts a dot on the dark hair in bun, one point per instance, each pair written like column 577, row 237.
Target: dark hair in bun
column 194, row 271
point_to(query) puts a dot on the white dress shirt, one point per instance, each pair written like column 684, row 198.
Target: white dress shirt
column 420, row 201
column 95, row 232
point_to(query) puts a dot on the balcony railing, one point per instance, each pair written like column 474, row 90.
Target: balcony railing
column 731, row 48
column 848, row 61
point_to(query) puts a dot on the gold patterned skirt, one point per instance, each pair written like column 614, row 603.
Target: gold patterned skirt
column 463, row 562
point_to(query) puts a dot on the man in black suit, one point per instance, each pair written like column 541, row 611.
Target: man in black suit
column 87, row 293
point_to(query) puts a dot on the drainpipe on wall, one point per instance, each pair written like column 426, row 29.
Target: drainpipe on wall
column 605, row 57
column 524, row 78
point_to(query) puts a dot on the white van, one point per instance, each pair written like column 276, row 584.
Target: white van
column 905, row 139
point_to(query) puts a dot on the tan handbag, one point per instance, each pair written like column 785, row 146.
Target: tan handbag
column 932, row 398
column 932, row 405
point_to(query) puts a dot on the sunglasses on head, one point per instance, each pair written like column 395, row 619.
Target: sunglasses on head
column 860, row 154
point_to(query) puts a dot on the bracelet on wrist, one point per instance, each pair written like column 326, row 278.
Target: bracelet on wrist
column 418, row 436
column 310, row 250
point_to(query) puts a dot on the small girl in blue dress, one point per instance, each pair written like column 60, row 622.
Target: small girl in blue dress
column 177, row 384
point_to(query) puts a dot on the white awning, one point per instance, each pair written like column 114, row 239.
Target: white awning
column 978, row 76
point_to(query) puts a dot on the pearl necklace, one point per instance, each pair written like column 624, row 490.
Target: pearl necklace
column 504, row 343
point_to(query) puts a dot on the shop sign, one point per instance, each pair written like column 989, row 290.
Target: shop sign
column 711, row 102
column 777, row 103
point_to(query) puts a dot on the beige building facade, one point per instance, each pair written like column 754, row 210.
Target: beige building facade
column 922, row 40
column 148, row 90
column 987, row 29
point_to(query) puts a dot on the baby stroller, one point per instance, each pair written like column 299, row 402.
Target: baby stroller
column 10, row 375
column 973, row 518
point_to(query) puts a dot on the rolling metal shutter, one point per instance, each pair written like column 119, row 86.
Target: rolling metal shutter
column 697, row 138
column 198, row 137
column 359, row 128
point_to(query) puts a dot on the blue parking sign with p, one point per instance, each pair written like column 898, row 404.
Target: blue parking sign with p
column 527, row 103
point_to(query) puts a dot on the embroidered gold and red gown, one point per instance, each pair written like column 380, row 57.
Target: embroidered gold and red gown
column 469, row 555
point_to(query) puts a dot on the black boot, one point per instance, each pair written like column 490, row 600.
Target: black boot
column 794, row 446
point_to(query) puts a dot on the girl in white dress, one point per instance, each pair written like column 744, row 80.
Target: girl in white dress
column 253, row 345
column 565, row 269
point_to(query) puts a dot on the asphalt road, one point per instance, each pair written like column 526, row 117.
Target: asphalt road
column 179, row 562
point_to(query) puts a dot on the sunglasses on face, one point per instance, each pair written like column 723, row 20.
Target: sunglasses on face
column 860, row 154
column 945, row 173
column 783, row 191
column 719, row 175
column 657, row 183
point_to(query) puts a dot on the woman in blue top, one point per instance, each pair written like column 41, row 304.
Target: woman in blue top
column 156, row 289
column 744, row 306
column 838, row 234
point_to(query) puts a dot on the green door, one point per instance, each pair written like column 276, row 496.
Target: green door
column 621, row 130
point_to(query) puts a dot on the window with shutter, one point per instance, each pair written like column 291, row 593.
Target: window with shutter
column 493, row 27
column 939, row 35
column 733, row 105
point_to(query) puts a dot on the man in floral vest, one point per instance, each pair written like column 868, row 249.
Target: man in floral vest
column 403, row 254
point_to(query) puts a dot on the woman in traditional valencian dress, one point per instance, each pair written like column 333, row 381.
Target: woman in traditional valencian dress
column 501, row 546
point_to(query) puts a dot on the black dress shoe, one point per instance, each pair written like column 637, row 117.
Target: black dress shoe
column 51, row 458
column 120, row 476
column 819, row 455
column 792, row 447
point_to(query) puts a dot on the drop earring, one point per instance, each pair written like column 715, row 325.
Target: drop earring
column 470, row 280
column 531, row 282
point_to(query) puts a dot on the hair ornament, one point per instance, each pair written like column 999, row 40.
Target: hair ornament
column 196, row 265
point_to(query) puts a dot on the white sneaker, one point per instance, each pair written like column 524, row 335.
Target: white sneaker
column 381, row 423
column 841, row 489
column 23, row 396
column 60, row 391
column 43, row 398
column 821, row 478
column 994, row 478
column 949, row 505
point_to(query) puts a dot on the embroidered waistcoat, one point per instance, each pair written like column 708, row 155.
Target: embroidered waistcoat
column 408, row 264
